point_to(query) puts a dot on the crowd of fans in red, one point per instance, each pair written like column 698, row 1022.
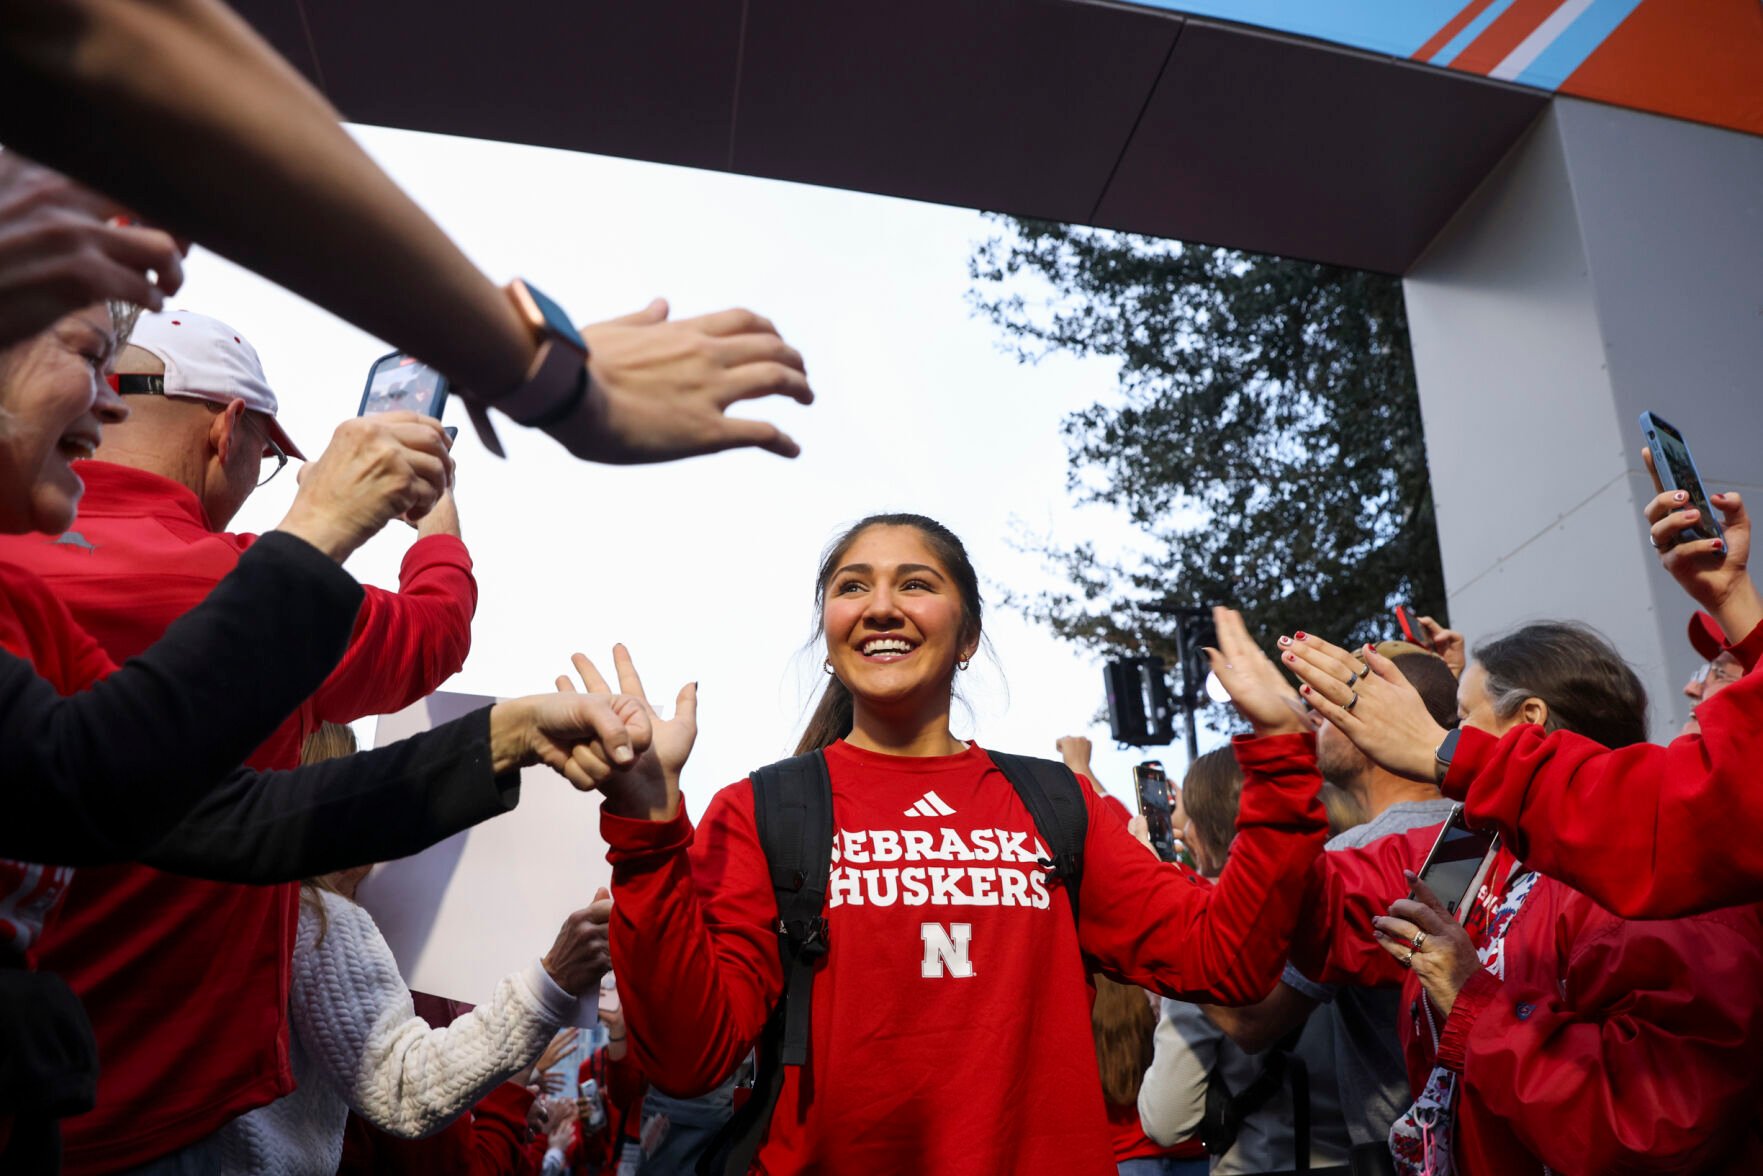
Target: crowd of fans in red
column 994, row 973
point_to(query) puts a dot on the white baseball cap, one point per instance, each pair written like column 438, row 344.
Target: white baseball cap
column 207, row 360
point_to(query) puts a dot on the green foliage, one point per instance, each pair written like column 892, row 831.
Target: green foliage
column 1266, row 439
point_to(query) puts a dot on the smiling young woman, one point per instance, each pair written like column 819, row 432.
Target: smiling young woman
column 950, row 1023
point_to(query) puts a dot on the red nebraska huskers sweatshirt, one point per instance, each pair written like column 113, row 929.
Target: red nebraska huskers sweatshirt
column 951, row 1026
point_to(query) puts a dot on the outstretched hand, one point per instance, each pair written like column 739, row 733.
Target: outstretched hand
column 660, row 389
column 583, row 738
column 649, row 788
column 1256, row 687
column 1375, row 706
column 1714, row 572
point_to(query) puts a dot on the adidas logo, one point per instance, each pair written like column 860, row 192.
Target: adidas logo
column 930, row 805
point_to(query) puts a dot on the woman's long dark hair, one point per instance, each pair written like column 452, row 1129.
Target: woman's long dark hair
column 1124, row 1027
column 1589, row 689
column 832, row 717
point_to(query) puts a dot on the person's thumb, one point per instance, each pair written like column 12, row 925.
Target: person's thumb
column 1423, row 894
column 685, row 706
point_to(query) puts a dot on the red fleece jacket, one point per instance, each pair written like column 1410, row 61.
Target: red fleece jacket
column 1648, row 831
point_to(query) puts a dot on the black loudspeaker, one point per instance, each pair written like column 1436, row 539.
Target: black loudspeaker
column 1139, row 708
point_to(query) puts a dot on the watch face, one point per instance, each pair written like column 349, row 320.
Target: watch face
column 1449, row 747
column 554, row 316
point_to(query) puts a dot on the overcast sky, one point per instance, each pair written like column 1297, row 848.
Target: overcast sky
column 705, row 568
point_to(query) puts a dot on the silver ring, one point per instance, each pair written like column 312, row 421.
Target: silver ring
column 1352, row 702
column 1419, row 939
column 1408, row 960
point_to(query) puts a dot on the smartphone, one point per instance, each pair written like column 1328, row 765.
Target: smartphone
column 1412, row 632
column 1677, row 471
column 1458, row 863
column 1157, row 808
column 399, row 382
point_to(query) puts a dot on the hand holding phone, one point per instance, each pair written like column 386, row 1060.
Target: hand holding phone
column 1674, row 469
column 1413, row 632
column 1458, row 863
column 1157, row 807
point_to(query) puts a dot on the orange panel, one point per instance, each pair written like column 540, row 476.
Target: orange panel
column 1696, row 59
column 1499, row 39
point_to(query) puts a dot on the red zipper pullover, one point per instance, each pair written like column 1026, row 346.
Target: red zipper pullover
column 1648, row 831
column 1610, row 1045
column 951, row 1028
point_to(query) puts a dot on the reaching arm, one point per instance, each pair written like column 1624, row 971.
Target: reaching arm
column 100, row 776
column 393, row 801
column 692, row 940
column 83, row 81
column 1154, row 925
column 352, row 1011
column 82, row 88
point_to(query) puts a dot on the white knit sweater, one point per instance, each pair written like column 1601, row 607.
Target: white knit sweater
column 358, row 1044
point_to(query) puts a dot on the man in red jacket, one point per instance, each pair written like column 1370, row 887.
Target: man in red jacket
column 187, row 982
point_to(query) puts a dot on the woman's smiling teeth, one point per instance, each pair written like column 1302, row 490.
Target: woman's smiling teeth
column 78, row 447
column 886, row 647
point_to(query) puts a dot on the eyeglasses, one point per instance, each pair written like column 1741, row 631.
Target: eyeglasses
column 271, row 449
column 154, row 385
column 1719, row 671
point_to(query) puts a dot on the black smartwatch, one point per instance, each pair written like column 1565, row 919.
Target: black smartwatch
column 1442, row 757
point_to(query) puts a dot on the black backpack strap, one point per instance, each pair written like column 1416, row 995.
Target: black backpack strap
column 1225, row 1112
column 1054, row 797
column 793, row 815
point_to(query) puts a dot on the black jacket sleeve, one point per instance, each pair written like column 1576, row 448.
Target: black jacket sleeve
column 369, row 807
column 100, row 776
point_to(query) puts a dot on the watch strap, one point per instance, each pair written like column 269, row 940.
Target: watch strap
column 556, row 379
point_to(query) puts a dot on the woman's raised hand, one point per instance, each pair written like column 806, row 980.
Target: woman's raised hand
column 1259, row 691
column 1374, row 705
column 648, row 787
column 1714, row 572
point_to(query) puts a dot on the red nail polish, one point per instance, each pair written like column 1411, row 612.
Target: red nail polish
column 1300, row 634
column 1305, row 689
column 1285, row 640
column 1719, row 545
column 1680, row 496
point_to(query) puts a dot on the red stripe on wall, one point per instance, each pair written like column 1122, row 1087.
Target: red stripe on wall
column 1499, row 39
column 1452, row 27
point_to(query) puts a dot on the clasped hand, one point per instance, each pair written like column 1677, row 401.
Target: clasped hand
column 639, row 779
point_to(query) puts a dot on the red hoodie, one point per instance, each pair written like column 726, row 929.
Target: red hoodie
column 1610, row 1045
column 1648, row 831
column 951, row 1016
column 186, row 982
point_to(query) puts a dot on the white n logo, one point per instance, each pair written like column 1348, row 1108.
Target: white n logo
column 945, row 952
